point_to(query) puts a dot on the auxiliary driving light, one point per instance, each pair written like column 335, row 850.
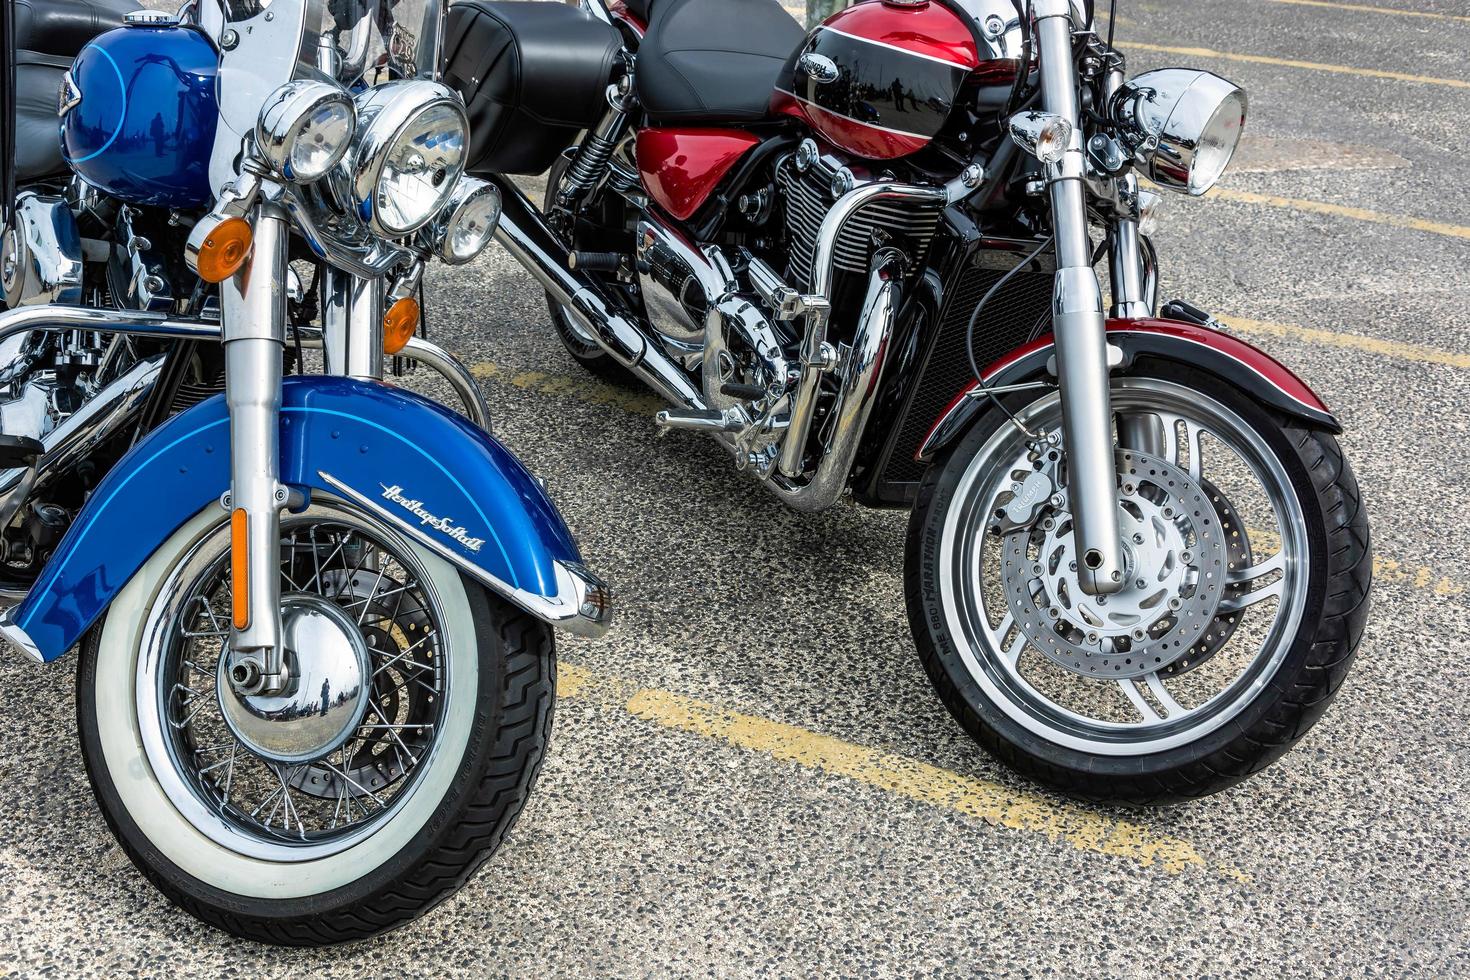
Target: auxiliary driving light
column 470, row 220
column 1181, row 124
column 305, row 128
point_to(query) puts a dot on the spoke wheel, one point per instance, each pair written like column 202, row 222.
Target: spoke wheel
column 350, row 802
column 266, row 805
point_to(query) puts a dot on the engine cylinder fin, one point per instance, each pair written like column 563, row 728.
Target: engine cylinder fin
column 808, row 200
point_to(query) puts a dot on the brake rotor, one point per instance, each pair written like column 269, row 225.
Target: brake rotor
column 1175, row 559
column 1238, row 550
column 395, row 620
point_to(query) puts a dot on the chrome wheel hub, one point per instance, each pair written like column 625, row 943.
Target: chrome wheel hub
column 1176, row 570
column 327, row 695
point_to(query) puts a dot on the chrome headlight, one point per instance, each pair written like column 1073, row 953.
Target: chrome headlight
column 410, row 154
column 1182, row 125
column 470, row 220
column 305, row 128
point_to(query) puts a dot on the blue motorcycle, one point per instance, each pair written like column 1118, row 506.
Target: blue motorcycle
column 315, row 611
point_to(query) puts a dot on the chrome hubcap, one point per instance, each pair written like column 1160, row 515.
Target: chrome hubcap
column 327, row 695
column 317, row 768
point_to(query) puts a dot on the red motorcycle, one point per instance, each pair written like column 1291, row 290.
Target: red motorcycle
column 862, row 258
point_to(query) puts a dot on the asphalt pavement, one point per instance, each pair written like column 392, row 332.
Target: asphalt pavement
column 751, row 776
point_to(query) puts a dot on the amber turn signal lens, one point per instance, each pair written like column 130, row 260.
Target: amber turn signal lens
column 240, row 567
column 225, row 250
column 399, row 325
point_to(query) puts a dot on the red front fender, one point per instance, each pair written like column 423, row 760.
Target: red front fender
column 1229, row 358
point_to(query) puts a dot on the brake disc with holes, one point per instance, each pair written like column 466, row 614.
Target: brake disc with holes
column 1175, row 558
column 1238, row 551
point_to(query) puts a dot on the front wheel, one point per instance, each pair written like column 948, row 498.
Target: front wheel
column 390, row 771
column 1246, row 593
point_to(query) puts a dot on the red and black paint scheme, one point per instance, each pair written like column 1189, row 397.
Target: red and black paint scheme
column 879, row 80
column 681, row 167
column 1229, row 358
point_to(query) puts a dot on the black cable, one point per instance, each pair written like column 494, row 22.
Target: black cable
column 975, row 318
column 1023, row 70
column 1112, row 20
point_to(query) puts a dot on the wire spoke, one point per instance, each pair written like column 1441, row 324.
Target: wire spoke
column 321, row 800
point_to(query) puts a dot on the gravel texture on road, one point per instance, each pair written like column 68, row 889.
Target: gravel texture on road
column 751, row 775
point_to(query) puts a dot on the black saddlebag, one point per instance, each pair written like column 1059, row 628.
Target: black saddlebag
column 532, row 74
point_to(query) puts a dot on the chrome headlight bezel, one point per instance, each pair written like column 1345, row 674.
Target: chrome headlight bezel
column 472, row 199
column 285, row 118
column 1182, row 125
column 386, row 115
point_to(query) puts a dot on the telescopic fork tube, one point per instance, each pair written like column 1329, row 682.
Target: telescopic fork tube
column 1080, row 327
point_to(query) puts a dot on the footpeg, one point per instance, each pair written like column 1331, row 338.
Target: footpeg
column 731, row 420
column 750, row 393
column 594, row 261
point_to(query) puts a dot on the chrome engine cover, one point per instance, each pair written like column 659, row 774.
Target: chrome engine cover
column 694, row 302
column 41, row 253
column 680, row 285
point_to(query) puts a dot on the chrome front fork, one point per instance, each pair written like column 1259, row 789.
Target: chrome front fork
column 255, row 314
column 254, row 326
column 1080, row 327
column 352, row 325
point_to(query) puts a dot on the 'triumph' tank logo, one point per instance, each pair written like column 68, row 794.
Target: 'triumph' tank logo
column 444, row 525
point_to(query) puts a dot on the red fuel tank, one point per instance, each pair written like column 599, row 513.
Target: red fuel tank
column 880, row 79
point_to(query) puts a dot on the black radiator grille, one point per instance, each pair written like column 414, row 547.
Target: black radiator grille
column 1020, row 310
column 808, row 199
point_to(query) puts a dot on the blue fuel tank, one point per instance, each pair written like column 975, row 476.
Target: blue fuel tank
column 139, row 114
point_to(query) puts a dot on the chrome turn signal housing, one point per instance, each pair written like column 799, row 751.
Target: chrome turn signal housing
column 1182, row 126
column 1044, row 135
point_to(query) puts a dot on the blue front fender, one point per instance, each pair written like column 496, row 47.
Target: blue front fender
column 444, row 482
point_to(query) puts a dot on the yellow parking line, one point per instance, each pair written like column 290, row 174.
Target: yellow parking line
column 1341, row 211
column 1257, row 59
column 1350, row 341
column 981, row 799
column 582, row 389
column 1366, row 8
column 1385, row 570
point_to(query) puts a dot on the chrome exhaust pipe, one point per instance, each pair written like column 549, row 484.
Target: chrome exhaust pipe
column 525, row 235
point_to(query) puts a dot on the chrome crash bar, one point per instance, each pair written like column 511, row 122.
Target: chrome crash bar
column 162, row 327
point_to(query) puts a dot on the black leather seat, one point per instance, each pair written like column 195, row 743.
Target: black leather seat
column 63, row 27
column 714, row 61
column 48, row 35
